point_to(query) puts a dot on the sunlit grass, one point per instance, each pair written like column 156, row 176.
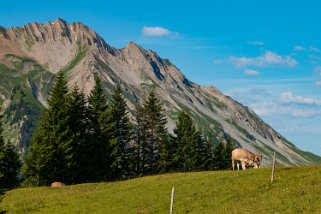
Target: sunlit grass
column 295, row 190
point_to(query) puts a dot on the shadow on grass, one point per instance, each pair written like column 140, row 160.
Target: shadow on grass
column 1, row 197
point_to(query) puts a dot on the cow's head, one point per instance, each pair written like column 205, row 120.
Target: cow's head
column 257, row 160
column 250, row 163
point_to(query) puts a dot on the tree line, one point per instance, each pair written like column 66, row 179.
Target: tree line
column 92, row 139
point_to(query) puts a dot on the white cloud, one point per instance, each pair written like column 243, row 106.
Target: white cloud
column 269, row 58
column 257, row 43
column 250, row 72
column 155, row 31
column 314, row 49
column 259, row 91
column 310, row 48
column 273, row 109
column 270, row 105
column 318, row 83
column 299, row 48
column 288, row 97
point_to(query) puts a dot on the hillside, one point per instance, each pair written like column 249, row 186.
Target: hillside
column 31, row 55
column 295, row 190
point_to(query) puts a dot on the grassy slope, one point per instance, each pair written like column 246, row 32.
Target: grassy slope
column 296, row 190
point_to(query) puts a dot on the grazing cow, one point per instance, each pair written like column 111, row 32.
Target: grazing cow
column 246, row 158
column 57, row 184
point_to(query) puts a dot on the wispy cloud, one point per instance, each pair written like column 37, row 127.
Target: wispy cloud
column 259, row 91
column 314, row 49
column 317, row 71
column 257, row 43
column 289, row 97
column 318, row 83
column 273, row 109
column 299, row 48
column 309, row 48
column 288, row 104
column 250, row 72
column 268, row 59
column 155, row 31
column 302, row 82
column 267, row 104
column 218, row 61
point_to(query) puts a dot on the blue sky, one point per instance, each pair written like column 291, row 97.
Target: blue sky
column 265, row 54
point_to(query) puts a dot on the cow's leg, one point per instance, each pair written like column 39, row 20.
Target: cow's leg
column 243, row 165
column 233, row 164
column 238, row 166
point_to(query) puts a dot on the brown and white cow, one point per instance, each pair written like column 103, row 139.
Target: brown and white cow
column 246, row 158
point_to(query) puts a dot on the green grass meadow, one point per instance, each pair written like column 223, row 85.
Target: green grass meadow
column 295, row 190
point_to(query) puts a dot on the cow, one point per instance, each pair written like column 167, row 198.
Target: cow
column 246, row 158
column 57, row 184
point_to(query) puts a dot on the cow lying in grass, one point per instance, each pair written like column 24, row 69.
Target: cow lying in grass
column 247, row 159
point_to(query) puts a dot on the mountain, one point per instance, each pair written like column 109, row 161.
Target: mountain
column 31, row 55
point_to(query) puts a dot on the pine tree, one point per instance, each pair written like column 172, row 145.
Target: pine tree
column 36, row 167
column 98, row 151
column 203, row 156
column 228, row 152
column 150, row 134
column 168, row 152
column 210, row 159
column 120, row 132
column 76, row 154
column 46, row 161
column 156, row 132
column 194, row 153
column 140, row 148
column 219, row 159
column 185, row 132
column 9, row 163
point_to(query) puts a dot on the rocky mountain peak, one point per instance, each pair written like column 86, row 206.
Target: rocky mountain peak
column 52, row 43
column 134, row 50
column 61, row 22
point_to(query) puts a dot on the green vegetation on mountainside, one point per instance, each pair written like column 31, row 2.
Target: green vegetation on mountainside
column 21, row 85
column 81, row 52
column 295, row 190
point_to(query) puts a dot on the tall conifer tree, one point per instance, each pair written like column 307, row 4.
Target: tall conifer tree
column 9, row 163
column 140, row 148
column 121, row 134
column 99, row 151
column 46, row 160
column 203, row 155
column 168, row 152
column 219, row 156
column 76, row 153
column 185, row 136
column 193, row 153
column 156, row 132
column 228, row 152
